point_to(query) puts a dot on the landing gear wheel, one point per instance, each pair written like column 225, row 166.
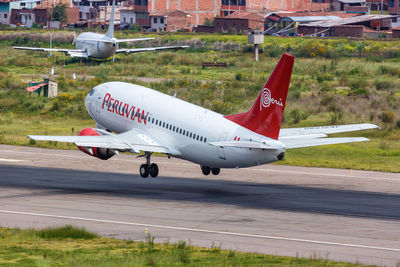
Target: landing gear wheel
column 205, row 170
column 153, row 170
column 215, row 171
column 144, row 170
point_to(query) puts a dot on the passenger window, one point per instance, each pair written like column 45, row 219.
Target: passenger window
column 173, row 128
column 197, row 137
column 205, row 140
column 180, row 131
column 184, row 132
column 201, row 138
column 163, row 124
column 187, row 133
column 152, row 121
column 190, row 135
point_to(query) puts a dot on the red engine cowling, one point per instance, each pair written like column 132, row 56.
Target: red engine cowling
column 98, row 152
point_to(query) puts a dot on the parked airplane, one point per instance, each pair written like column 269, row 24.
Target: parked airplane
column 150, row 121
column 100, row 46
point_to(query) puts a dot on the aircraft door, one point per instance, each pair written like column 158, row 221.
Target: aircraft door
column 221, row 150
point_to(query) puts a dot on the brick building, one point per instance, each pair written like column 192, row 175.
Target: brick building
column 239, row 22
column 201, row 9
column 169, row 21
column 394, row 7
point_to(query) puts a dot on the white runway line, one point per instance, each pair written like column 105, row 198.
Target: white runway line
column 202, row 230
column 328, row 174
column 189, row 164
column 12, row 160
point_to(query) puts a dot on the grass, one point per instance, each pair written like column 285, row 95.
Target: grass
column 59, row 247
column 323, row 91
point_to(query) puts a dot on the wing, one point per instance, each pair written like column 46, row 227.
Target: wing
column 299, row 142
column 137, row 50
column 133, row 40
column 244, row 144
column 324, row 130
column 69, row 52
column 132, row 141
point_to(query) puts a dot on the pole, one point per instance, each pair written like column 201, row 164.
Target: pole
column 256, row 52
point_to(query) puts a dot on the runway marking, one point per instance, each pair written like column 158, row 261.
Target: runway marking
column 202, row 230
column 328, row 174
column 12, row 160
column 253, row 169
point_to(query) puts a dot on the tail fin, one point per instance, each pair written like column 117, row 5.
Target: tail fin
column 110, row 31
column 265, row 116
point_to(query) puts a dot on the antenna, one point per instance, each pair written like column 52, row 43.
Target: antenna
column 110, row 31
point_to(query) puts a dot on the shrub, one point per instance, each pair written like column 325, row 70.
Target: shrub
column 358, row 86
column 67, row 231
column 386, row 116
column 238, row 76
column 382, row 84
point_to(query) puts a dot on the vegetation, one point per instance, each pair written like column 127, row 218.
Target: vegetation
column 323, row 91
column 32, row 248
column 60, row 14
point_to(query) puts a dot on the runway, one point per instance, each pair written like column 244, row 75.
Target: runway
column 341, row 215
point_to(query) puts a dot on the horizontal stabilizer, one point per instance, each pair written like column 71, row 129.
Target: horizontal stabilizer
column 133, row 40
column 296, row 143
column 244, row 144
column 138, row 50
column 331, row 129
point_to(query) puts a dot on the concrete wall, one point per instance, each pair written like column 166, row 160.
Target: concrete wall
column 127, row 16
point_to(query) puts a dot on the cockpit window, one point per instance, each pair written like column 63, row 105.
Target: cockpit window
column 91, row 92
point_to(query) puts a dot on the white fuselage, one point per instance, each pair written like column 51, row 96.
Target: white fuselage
column 96, row 49
column 186, row 129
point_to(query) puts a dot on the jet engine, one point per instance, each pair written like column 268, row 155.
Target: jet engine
column 98, row 152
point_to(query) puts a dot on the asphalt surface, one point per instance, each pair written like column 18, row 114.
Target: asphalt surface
column 341, row 215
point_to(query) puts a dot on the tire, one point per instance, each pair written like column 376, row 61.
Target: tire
column 144, row 170
column 215, row 171
column 153, row 170
column 205, row 170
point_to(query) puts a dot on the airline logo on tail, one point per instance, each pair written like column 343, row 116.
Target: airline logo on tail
column 266, row 99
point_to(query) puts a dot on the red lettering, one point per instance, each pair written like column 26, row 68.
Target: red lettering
column 110, row 104
column 106, row 98
column 124, row 109
column 130, row 110
column 120, row 109
column 145, row 117
column 139, row 119
column 133, row 113
column 115, row 106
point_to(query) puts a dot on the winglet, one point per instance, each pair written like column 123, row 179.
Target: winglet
column 110, row 31
column 265, row 116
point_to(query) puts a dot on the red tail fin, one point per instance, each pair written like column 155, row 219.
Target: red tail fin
column 265, row 116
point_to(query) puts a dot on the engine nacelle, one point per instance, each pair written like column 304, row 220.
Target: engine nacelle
column 98, row 152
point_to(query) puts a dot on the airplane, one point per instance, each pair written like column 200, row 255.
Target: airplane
column 100, row 46
column 133, row 118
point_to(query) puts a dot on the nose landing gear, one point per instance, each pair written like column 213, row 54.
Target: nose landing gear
column 148, row 169
column 206, row 170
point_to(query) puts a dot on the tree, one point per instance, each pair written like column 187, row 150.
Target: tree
column 209, row 22
column 60, row 14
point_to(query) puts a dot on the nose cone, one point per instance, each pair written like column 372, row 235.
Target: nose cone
column 90, row 100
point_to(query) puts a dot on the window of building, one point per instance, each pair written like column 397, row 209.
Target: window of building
column 155, row 20
column 131, row 20
column 161, row 20
column 5, row 15
column 391, row 3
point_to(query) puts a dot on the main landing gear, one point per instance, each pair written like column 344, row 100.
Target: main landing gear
column 206, row 170
column 148, row 168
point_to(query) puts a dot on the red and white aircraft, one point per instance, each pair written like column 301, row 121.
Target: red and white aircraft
column 134, row 118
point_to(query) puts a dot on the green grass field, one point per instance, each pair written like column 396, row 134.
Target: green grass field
column 71, row 246
column 323, row 91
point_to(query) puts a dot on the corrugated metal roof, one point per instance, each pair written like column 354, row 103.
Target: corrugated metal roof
column 351, row 20
column 310, row 18
column 351, row 1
